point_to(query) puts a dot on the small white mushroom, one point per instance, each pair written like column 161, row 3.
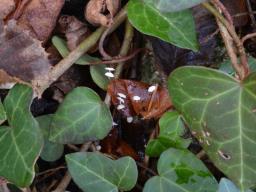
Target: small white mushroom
column 109, row 74
column 121, row 95
column 136, row 98
column 98, row 147
column 151, row 88
column 129, row 119
column 109, row 69
column 119, row 107
column 114, row 123
column 121, row 100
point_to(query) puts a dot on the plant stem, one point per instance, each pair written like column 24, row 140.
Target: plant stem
column 244, row 69
column 248, row 36
column 129, row 32
column 67, row 62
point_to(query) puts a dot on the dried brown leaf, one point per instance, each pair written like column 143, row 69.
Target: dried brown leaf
column 139, row 101
column 22, row 57
column 39, row 17
column 114, row 145
column 101, row 12
column 74, row 30
column 6, row 7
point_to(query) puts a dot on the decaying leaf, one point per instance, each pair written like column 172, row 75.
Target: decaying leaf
column 101, row 12
column 22, row 57
column 114, row 145
column 6, row 7
column 39, row 17
column 74, row 30
column 137, row 98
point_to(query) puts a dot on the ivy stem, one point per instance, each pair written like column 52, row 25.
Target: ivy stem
column 129, row 33
column 67, row 62
column 241, row 69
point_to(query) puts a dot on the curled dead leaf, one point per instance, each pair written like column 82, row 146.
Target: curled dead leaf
column 74, row 30
column 101, row 12
column 135, row 98
column 22, row 57
column 114, row 145
column 6, row 7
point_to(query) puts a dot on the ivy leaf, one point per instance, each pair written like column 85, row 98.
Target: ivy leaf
column 82, row 116
column 171, row 130
column 165, row 25
column 22, row 142
column 51, row 151
column 97, row 71
column 227, row 67
column 220, row 110
column 180, row 171
column 61, row 45
column 98, row 76
column 93, row 172
column 228, row 186
column 173, row 5
column 3, row 116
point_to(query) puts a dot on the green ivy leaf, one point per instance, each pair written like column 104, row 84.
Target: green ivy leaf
column 22, row 142
column 82, row 116
column 171, row 130
column 227, row 67
column 99, row 77
column 165, row 25
column 3, row 116
column 97, row 71
column 228, row 186
column 181, row 171
column 220, row 110
column 51, row 151
column 173, row 5
column 94, row 172
column 61, row 45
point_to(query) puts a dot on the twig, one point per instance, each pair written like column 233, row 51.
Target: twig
column 249, row 36
column 67, row 177
column 51, row 170
column 129, row 32
column 119, row 58
column 244, row 70
column 229, row 43
column 67, row 62
column 224, row 10
column 146, row 168
column 206, row 39
column 250, row 13
column 201, row 154
column 102, row 51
